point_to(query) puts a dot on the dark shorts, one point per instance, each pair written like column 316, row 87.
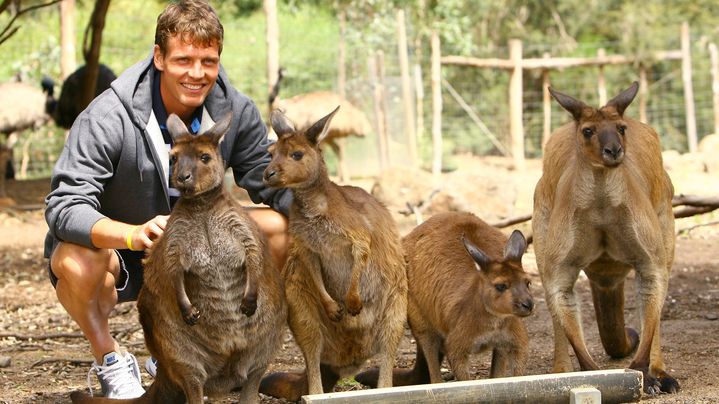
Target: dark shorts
column 130, row 281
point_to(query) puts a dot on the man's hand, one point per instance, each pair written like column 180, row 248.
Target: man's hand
column 143, row 236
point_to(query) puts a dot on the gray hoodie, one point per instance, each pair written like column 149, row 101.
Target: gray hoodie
column 110, row 168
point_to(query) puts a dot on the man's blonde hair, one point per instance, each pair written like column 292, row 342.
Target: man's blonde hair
column 194, row 21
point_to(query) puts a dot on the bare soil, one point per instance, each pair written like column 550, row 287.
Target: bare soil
column 48, row 357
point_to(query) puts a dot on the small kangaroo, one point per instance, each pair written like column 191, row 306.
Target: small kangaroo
column 604, row 206
column 345, row 256
column 212, row 306
column 467, row 293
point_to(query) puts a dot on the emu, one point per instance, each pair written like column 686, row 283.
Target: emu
column 303, row 110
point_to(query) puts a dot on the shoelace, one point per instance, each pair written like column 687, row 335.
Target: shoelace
column 112, row 372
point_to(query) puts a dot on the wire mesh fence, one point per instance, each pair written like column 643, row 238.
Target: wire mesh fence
column 475, row 127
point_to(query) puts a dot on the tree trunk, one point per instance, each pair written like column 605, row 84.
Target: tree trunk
column 91, row 51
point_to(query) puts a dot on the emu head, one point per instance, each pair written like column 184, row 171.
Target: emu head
column 196, row 165
column 505, row 290
column 296, row 156
column 600, row 132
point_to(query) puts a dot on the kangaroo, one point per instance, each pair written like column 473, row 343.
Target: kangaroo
column 346, row 283
column 604, row 206
column 212, row 306
column 467, row 293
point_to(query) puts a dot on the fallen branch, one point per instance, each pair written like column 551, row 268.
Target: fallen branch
column 71, row 361
column 690, row 228
column 42, row 336
column 512, row 221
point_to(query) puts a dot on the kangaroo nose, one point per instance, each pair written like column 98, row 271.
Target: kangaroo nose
column 184, row 178
column 528, row 305
column 613, row 151
column 269, row 174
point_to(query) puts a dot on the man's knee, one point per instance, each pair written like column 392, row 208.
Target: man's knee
column 75, row 263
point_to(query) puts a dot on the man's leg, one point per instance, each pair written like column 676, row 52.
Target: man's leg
column 274, row 225
column 86, row 289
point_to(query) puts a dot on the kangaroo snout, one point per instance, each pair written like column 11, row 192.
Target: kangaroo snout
column 613, row 154
column 524, row 308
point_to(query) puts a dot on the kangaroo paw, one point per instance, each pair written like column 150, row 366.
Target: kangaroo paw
column 191, row 315
column 248, row 305
column 353, row 303
column 334, row 311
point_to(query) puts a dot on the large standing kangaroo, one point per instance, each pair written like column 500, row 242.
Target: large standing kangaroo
column 604, row 206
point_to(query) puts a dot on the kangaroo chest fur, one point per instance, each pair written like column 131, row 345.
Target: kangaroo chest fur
column 602, row 213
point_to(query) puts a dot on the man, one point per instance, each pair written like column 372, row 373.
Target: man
column 110, row 196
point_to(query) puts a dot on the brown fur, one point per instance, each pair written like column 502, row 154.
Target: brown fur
column 455, row 305
column 604, row 206
column 212, row 306
column 345, row 277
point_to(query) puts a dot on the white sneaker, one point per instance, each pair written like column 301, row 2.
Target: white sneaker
column 151, row 366
column 119, row 376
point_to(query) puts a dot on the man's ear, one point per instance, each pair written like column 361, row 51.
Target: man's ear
column 158, row 58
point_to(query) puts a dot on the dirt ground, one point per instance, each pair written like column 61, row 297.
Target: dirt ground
column 48, row 357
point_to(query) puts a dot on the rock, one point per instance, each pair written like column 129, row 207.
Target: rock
column 711, row 317
column 4, row 361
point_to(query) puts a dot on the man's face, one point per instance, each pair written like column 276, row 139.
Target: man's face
column 188, row 73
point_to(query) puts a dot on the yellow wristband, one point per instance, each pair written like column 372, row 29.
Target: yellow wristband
column 129, row 238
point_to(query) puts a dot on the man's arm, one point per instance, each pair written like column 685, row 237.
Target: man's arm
column 248, row 158
column 108, row 233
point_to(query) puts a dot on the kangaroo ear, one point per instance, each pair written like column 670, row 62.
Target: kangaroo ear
column 220, row 128
column 317, row 132
column 572, row 105
column 477, row 255
column 280, row 124
column 623, row 99
column 515, row 247
column 176, row 127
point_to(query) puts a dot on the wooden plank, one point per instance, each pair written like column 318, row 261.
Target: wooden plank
column 617, row 385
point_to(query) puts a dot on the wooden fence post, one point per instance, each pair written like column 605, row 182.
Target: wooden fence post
column 714, row 57
column 643, row 93
column 688, row 89
column 546, row 105
column 379, row 117
column 272, row 39
column 409, row 128
column 68, row 64
column 601, row 81
column 516, row 127
column 436, row 105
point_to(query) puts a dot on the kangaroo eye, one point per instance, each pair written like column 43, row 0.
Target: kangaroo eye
column 529, row 283
column 622, row 129
column 501, row 287
column 173, row 159
column 297, row 156
column 587, row 132
column 205, row 158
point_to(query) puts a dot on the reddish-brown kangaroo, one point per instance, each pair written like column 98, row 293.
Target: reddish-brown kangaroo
column 212, row 306
column 604, row 206
column 345, row 278
column 467, row 293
